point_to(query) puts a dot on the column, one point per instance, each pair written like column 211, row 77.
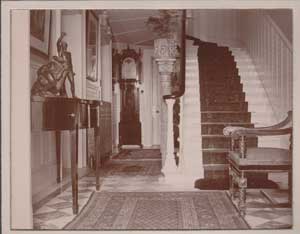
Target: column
column 106, row 79
column 165, row 69
column 106, row 58
column 169, row 167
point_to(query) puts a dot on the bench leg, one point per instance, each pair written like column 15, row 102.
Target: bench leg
column 242, row 183
column 231, row 183
column 290, row 185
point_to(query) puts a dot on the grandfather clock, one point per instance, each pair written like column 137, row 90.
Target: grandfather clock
column 129, row 80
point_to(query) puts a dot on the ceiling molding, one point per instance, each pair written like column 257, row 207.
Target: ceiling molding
column 72, row 12
column 131, row 31
column 129, row 19
column 143, row 41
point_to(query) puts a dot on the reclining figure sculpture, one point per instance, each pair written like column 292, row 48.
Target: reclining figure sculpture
column 51, row 77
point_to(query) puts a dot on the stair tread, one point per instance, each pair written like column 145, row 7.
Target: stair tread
column 213, row 150
column 224, row 112
column 223, row 136
column 226, row 123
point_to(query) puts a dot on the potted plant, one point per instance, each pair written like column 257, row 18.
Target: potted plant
column 165, row 26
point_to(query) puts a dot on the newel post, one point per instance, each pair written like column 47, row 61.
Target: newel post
column 165, row 54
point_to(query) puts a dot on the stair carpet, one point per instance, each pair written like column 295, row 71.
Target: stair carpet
column 258, row 104
column 222, row 104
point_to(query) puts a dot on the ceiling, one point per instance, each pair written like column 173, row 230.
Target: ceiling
column 129, row 26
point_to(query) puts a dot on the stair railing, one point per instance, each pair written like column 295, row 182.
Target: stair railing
column 170, row 99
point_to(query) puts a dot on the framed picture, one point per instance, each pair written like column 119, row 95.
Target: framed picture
column 91, row 46
column 40, row 23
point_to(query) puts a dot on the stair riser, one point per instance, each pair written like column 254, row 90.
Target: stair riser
column 221, row 87
column 226, row 117
column 217, row 175
column 214, row 56
column 213, row 69
column 224, row 107
column 235, row 78
column 225, row 98
column 222, row 81
column 215, row 158
column 221, row 142
column 212, row 173
column 219, row 74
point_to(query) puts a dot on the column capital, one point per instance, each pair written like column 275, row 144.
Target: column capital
column 170, row 102
column 165, row 65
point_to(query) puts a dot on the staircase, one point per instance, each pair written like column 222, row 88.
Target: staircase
column 222, row 103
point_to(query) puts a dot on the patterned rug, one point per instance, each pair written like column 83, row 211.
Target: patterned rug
column 134, row 154
column 130, row 168
column 159, row 211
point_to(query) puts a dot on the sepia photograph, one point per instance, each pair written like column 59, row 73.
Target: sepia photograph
column 149, row 116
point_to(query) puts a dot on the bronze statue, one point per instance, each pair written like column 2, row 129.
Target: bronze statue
column 51, row 77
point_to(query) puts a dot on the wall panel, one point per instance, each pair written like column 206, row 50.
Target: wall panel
column 220, row 26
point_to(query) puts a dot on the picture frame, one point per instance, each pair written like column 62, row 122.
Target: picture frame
column 40, row 30
column 92, row 35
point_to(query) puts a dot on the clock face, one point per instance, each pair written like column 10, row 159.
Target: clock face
column 129, row 69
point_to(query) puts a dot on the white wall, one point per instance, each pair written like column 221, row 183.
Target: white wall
column 106, row 72
column 284, row 19
column 219, row 26
column 272, row 54
column 156, row 104
column 43, row 155
column 43, row 145
column 146, row 92
column 73, row 24
column 149, row 101
column 21, row 196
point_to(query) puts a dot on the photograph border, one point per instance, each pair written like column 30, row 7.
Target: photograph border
column 7, row 144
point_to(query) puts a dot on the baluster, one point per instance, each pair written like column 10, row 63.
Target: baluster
column 181, row 129
column 232, row 145
column 243, row 146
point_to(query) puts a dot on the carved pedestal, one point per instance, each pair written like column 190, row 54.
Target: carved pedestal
column 165, row 69
column 165, row 53
column 169, row 166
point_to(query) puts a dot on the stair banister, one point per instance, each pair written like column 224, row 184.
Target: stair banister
column 182, row 61
column 170, row 99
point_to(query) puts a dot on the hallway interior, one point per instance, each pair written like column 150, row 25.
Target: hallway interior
column 174, row 105
column 138, row 172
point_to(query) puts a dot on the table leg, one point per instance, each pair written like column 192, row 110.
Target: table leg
column 97, row 157
column 74, row 168
column 58, row 156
